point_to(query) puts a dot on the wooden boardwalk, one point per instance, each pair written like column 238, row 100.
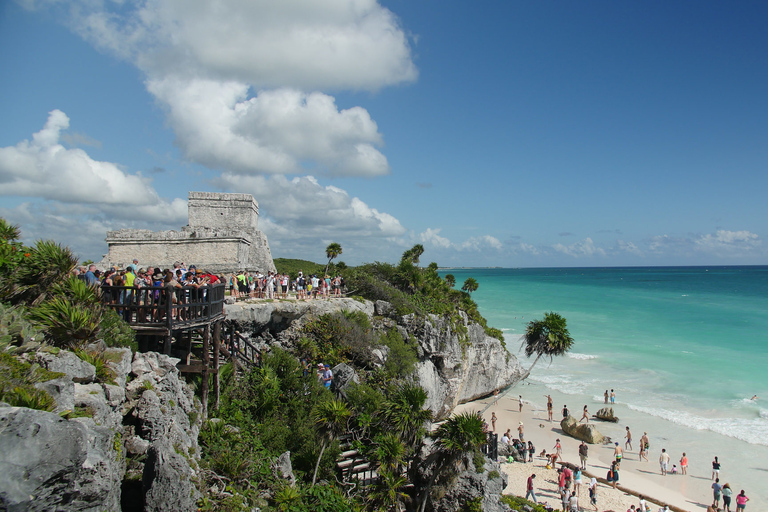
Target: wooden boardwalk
column 187, row 323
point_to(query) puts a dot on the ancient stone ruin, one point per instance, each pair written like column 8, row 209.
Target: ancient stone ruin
column 222, row 236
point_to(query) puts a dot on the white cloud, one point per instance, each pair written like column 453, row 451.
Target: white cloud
column 202, row 58
column 310, row 45
column 275, row 132
column 728, row 243
column 582, row 248
column 301, row 208
column 46, row 169
column 432, row 236
column 480, row 243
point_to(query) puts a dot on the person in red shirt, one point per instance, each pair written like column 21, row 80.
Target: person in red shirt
column 529, row 489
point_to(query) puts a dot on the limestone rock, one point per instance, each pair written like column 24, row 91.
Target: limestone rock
column 383, row 308
column 69, row 364
column 167, row 479
column 343, row 376
column 581, row 431
column 606, row 414
column 455, row 494
column 284, row 468
column 62, row 390
column 49, row 463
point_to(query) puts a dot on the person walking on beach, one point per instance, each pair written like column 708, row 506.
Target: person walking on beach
column 644, row 445
column 715, row 469
column 529, row 489
column 531, row 451
column 558, row 450
column 583, row 451
column 613, row 475
column 606, row 396
column 613, row 397
column 549, row 407
column 618, row 453
column 664, row 461
column 684, row 464
column 741, row 501
column 493, row 422
column 520, row 431
column 717, row 489
column 520, row 403
column 727, row 493
column 593, row 492
column 584, row 415
column 628, row 442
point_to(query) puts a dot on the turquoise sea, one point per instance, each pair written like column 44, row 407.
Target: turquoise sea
column 684, row 348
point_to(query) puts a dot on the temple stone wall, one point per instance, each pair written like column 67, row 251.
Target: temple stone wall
column 221, row 237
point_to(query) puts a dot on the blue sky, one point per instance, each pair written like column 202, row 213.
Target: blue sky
column 499, row 133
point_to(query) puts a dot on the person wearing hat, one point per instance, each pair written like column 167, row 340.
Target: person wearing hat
column 327, row 376
column 520, row 431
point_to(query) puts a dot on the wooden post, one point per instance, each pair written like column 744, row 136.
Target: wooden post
column 206, row 341
column 216, row 345
column 168, row 319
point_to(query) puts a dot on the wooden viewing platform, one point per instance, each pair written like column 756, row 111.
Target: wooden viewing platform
column 185, row 322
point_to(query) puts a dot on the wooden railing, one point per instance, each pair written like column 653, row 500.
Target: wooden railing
column 242, row 349
column 165, row 307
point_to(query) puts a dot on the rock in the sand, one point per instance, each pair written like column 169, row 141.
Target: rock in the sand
column 583, row 432
column 606, row 414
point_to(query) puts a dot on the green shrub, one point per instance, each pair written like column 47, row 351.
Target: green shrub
column 402, row 354
column 520, row 504
column 116, row 332
column 29, row 397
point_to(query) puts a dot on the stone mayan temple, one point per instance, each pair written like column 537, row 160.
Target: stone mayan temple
column 222, row 236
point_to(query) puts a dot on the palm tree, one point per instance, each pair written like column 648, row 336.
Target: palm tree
column 389, row 451
column 470, row 285
column 331, row 418
column 548, row 337
column 405, row 412
column 450, row 280
column 413, row 254
column 459, row 435
column 387, row 491
column 332, row 251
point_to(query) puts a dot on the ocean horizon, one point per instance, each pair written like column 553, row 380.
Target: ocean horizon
column 684, row 349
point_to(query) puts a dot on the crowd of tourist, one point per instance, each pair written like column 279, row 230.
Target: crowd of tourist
column 242, row 285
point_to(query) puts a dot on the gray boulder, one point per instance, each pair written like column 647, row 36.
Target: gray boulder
column 344, row 376
column 69, row 364
column 284, row 468
column 49, row 463
column 581, row 431
column 606, row 414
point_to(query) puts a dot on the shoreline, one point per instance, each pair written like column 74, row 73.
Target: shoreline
column 691, row 493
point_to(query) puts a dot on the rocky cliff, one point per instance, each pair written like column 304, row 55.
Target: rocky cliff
column 130, row 444
column 458, row 362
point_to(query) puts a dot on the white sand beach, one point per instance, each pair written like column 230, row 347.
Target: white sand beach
column 690, row 492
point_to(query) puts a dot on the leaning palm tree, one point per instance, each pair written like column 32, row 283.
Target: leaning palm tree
column 450, row 280
column 459, row 435
column 331, row 418
column 548, row 337
column 332, row 251
column 413, row 254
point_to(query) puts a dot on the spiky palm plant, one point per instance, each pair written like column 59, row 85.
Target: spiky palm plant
column 32, row 281
column 331, row 417
column 405, row 412
column 331, row 252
